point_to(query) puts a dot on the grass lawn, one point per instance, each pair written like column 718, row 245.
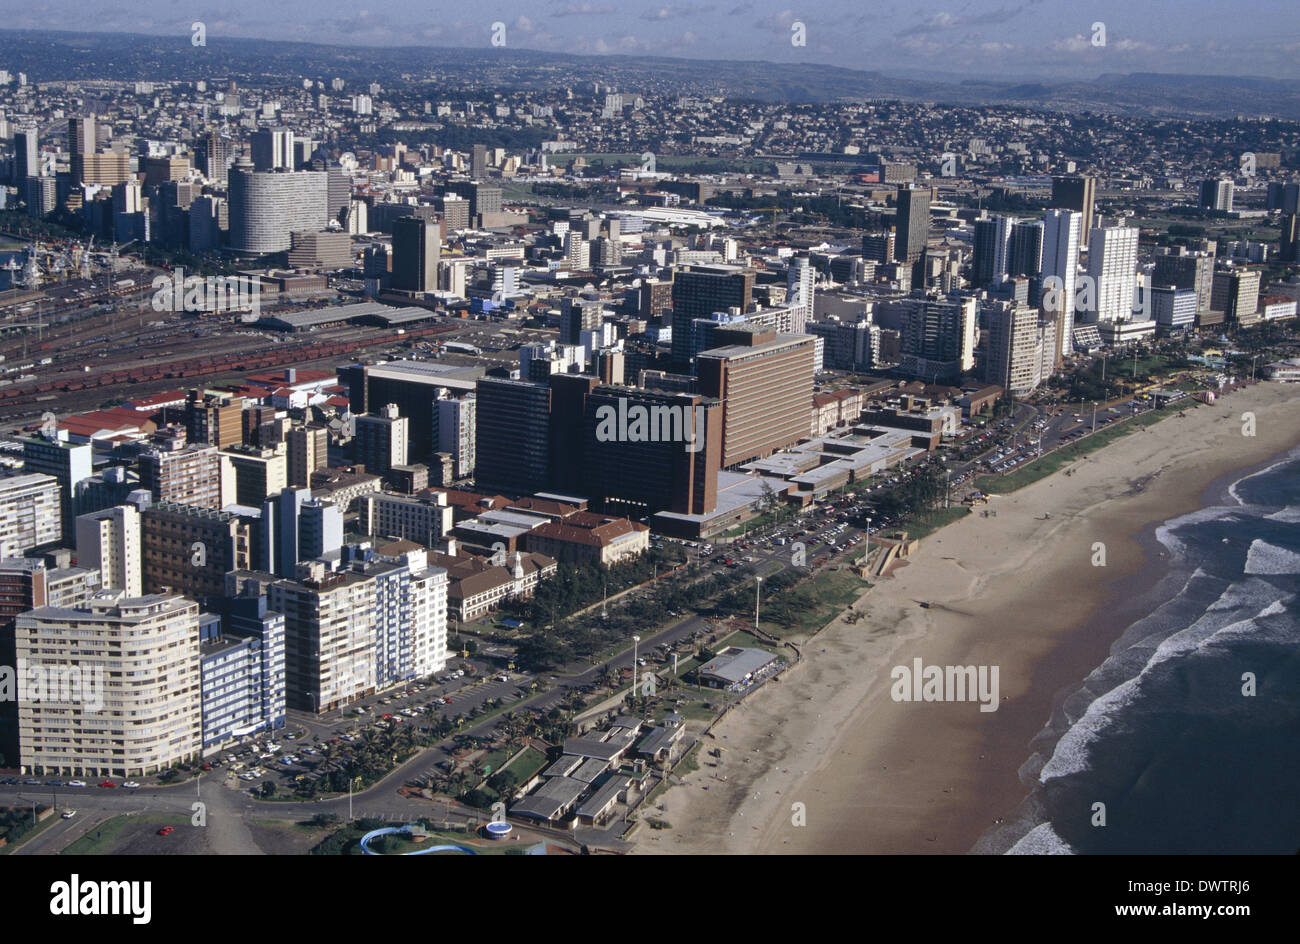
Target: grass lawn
column 932, row 522
column 106, row 834
column 805, row 609
column 39, row 828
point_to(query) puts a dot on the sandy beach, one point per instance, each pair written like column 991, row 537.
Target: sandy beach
column 1018, row 591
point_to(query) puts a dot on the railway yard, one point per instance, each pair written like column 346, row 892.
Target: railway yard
column 91, row 346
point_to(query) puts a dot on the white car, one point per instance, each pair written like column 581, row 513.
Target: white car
column 68, row 814
column 76, row 783
column 130, row 785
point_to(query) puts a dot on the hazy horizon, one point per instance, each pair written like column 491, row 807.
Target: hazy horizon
column 1003, row 40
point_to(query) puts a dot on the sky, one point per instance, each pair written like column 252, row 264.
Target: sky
column 1004, row 39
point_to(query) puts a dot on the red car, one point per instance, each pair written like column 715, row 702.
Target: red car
column 206, row 767
column 166, row 830
column 107, row 783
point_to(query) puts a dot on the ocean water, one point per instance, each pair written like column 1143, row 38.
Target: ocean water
column 1162, row 732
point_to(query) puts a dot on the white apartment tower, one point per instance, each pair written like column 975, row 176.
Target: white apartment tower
column 1112, row 266
column 1061, row 235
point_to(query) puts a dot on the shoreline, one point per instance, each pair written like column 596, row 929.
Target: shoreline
column 1016, row 591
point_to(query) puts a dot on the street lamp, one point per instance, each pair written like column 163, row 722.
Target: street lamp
column 758, row 587
column 866, row 548
column 635, row 641
column 1094, row 416
column 1252, row 367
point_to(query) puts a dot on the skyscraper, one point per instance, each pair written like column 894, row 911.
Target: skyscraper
column 478, row 161
column 765, row 383
column 1013, row 351
column 382, row 439
column 799, row 282
column 27, row 158
column 512, row 435
column 1216, row 195
column 1112, row 266
column 1079, row 194
column 218, row 152
column 991, row 257
column 143, row 656
column 109, row 540
column 698, row 292
column 266, row 207
column 1025, row 249
column 1061, row 234
column 938, row 337
column 81, row 144
column 272, row 149
column 912, row 225
column 415, row 254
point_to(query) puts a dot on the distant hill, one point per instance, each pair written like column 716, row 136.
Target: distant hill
column 51, row 56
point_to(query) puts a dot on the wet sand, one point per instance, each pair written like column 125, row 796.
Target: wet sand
column 1018, row 591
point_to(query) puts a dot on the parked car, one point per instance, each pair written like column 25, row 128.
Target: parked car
column 76, row 783
column 130, row 785
column 108, row 784
column 68, row 814
column 166, row 830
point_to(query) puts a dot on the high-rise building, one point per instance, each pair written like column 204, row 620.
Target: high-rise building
column 214, row 419
column 698, row 292
column 190, row 550
column 1183, row 269
column 478, row 161
column 879, row 247
column 1061, row 234
column 109, row 541
column 218, row 152
column 320, row 529
column 329, row 628
column 1076, row 193
column 991, row 256
column 1112, row 266
column 81, row 143
column 912, row 224
column 415, row 255
column 643, row 451
column 70, row 463
column 308, row 450
column 800, row 292
column 1173, row 308
column 938, row 337
column 187, row 475
column 1216, row 195
column 272, row 149
column 259, row 473
column 29, row 514
column 382, row 439
column 456, row 429
column 27, row 156
column 1013, row 354
column 425, row 519
column 410, row 604
column 266, row 207
column 1236, row 294
column 511, row 435
column 765, row 384
column 138, row 707
column 1025, row 249
column 27, row 583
